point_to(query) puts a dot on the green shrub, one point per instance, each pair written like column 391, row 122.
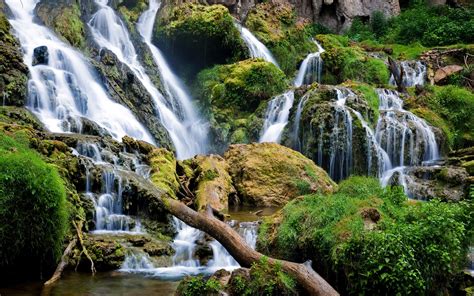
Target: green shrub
column 368, row 240
column 192, row 286
column 33, row 217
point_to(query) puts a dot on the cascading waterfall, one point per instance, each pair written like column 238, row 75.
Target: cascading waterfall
column 407, row 139
column 64, row 89
column 276, row 117
column 296, row 126
column 175, row 90
column 110, row 32
column 414, row 73
column 278, row 109
column 256, row 48
column 311, row 68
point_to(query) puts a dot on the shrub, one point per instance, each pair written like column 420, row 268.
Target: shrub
column 368, row 240
column 33, row 217
column 192, row 286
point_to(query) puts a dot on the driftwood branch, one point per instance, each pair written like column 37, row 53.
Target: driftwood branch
column 78, row 227
column 62, row 264
column 312, row 282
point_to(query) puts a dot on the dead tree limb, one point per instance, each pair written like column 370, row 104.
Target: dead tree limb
column 398, row 74
column 78, row 227
column 62, row 264
column 312, row 282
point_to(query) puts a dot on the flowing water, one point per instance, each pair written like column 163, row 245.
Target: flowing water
column 256, row 48
column 65, row 89
column 414, row 73
column 110, row 32
column 278, row 109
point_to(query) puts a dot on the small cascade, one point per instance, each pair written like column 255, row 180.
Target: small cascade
column 136, row 262
column 414, row 73
column 276, row 117
column 64, row 89
column 110, row 32
column 296, row 126
column 257, row 49
column 311, row 68
column 176, row 92
column 407, row 139
column 184, row 244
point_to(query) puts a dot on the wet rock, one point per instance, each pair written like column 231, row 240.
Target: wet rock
column 40, row 55
column 105, row 251
column 268, row 174
column 158, row 248
column 444, row 72
column 163, row 171
column 222, row 276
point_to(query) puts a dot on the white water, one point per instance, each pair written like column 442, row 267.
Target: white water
column 176, row 92
column 110, row 32
column 414, row 73
column 278, row 109
column 311, row 68
column 257, row 49
column 66, row 89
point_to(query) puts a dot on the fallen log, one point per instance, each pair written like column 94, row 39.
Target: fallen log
column 312, row 282
column 62, row 264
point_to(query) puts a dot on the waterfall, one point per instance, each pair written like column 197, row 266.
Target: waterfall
column 278, row 109
column 311, row 68
column 64, row 89
column 276, row 117
column 257, row 49
column 296, row 125
column 175, row 90
column 110, row 32
column 414, row 73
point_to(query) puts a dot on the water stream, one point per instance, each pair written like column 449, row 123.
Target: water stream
column 256, row 48
column 414, row 73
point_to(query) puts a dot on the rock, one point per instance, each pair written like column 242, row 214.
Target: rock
column 163, row 171
column 212, row 182
column 269, row 174
column 446, row 71
column 106, row 253
column 40, row 55
column 158, row 248
column 222, row 276
column 238, row 276
column 137, row 145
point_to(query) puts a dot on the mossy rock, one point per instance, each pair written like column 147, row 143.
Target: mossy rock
column 13, row 72
column 288, row 37
column 131, row 11
column 65, row 19
column 195, row 36
column 163, row 170
column 268, row 174
column 345, row 61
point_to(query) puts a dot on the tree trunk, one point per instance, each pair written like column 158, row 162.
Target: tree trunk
column 312, row 282
column 64, row 261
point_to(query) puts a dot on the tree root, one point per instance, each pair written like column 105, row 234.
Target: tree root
column 84, row 251
column 62, row 264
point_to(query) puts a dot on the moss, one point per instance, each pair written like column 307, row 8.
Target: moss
column 208, row 30
column 277, row 26
column 369, row 94
column 469, row 165
column 33, row 211
column 70, row 26
column 131, row 11
column 350, row 62
column 163, row 171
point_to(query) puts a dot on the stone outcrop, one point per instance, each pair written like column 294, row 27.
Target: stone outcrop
column 269, row 174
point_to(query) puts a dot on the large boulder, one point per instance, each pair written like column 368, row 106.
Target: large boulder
column 269, row 174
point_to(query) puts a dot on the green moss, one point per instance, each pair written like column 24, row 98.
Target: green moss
column 350, row 62
column 33, row 215
column 208, row 30
column 369, row 94
column 277, row 26
column 69, row 25
column 370, row 240
column 163, row 171
column 191, row 286
column 131, row 11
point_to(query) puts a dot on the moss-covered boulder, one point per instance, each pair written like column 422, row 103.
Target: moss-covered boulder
column 13, row 72
column 345, row 61
column 64, row 18
column 212, row 182
column 235, row 97
column 131, row 10
column 163, row 171
column 268, row 174
column 286, row 36
column 195, row 36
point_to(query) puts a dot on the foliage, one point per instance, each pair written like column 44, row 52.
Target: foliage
column 368, row 240
column 349, row 62
column 131, row 11
column 450, row 108
column 277, row 27
column 192, row 286
column 208, row 30
column 70, row 26
column 432, row 26
column 33, row 216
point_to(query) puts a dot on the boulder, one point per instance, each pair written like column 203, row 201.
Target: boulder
column 268, row 174
column 446, row 71
column 40, row 55
column 163, row 171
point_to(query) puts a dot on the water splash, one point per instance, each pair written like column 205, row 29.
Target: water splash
column 65, row 90
column 276, row 117
column 311, row 68
column 257, row 49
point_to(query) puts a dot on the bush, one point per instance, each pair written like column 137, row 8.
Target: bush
column 368, row 240
column 192, row 286
column 33, row 217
